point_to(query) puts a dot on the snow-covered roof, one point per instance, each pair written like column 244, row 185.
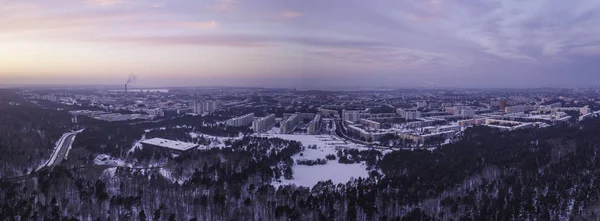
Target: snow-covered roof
column 171, row 144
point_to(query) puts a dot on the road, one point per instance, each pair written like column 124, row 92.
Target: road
column 61, row 150
column 61, row 153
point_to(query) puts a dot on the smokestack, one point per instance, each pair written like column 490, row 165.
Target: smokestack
column 130, row 79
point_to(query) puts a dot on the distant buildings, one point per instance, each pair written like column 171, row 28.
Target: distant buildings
column 351, row 115
column 263, row 123
column 507, row 125
column 424, row 138
column 502, row 104
column 472, row 122
column 555, row 105
column 518, row 109
column 467, row 112
column 327, row 112
column 362, row 134
column 585, row 110
column 245, row 120
column 200, row 107
column 370, row 123
column 290, row 123
column 185, row 111
column 211, row 106
column 409, row 114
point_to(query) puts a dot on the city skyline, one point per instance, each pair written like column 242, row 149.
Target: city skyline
column 307, row 44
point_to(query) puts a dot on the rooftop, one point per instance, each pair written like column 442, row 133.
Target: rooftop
column 171, row 144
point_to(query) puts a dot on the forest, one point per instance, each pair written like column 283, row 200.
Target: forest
column 535, row 174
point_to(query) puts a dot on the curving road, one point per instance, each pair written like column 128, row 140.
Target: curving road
column 61, row 150
column 61, row 153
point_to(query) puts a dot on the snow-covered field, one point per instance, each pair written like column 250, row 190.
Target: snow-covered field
column 309, row 176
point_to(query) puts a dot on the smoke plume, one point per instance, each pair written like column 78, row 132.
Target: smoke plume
column 131, row 79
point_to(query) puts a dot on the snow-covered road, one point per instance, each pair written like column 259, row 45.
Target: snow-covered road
column 61, row 150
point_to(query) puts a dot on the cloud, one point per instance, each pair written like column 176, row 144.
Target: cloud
column 474, row 38
column 222, row 5
column 291, row 14
column 234, row 41
column 199, row 25
column 104, row 2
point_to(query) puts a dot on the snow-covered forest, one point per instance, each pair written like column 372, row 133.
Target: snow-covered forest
column 537, row 174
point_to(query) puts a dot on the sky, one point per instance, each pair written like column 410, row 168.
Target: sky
column 301, row 43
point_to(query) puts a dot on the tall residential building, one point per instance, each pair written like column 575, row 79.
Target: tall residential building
column 289, row 124
column 245, row 120
column 314, row 125
column 263, row 123
column 198, row 107
column 211, row 106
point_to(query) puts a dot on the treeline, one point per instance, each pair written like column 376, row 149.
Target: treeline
column 536, row 174
column 27, row 133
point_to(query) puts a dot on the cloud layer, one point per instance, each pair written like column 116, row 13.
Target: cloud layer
column 466, row 43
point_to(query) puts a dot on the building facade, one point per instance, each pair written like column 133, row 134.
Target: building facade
column 245, row 120
column 263, row 123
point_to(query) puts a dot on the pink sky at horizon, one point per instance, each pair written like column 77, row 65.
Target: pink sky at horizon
column 296, row 43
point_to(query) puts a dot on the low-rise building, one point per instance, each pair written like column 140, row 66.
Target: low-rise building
column 173, row 146
column 370, row 123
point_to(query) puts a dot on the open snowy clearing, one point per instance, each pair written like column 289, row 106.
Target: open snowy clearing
column 309, row 176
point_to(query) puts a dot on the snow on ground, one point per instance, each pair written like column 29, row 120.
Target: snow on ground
column 109, row 173
column 71, row 146
column 328, row 141
column 309, row 176
column 273, row 130
column 167, row 174
column 104, row 159
column 137, row 144
column 213, row 144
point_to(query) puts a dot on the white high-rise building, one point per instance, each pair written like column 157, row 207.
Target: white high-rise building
column 263, row 123
column 314, row 125
column 211, row 106
column 198, row 107
column 245, row 120
column 289, row 123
